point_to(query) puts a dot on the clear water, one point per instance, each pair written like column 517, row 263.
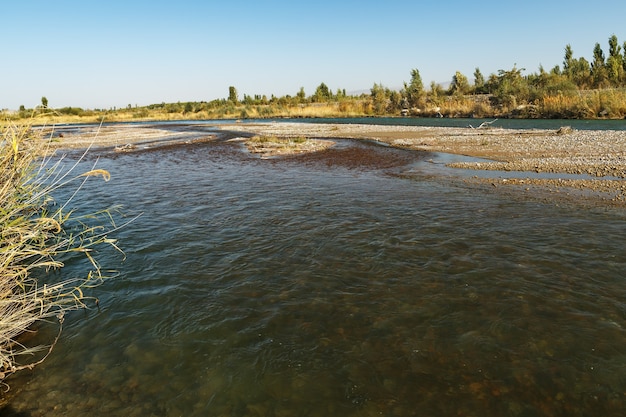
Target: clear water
column 580, row 124
column 304, row 288
column 591, row 124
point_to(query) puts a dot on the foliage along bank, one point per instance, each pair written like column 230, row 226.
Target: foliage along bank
column 579, row 89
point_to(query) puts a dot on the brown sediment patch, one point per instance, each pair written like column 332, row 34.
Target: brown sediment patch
column 355, row 155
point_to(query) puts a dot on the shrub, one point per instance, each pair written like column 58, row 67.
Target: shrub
column 71, row 111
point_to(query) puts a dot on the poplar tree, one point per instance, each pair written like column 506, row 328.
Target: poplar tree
column 598, row 67
column 232, row 95
column 301, row 95
column 580, row 73
column 479, row 81
column 379, row 98
column 459, row 84
column 614, row 63
column 568, row 60
column 322, row 93
column 415, row 89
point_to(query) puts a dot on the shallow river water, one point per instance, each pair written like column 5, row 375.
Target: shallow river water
column 311, row 287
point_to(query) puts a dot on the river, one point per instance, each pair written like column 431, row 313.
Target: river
column 310, row 287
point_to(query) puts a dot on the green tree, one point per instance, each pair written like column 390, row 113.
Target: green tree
column 614, row 47
column 322, row 93
column 232, row 95
column 615, row 62
column 436, row 90
column 380, row 100
column 301, row 95
column 509, row 87
column 548, row 83
column 460, row 84
column 44, row 102
column 598, row 68
column 568, row 60
column 479, row 81
column 395, row 100
column 580, row 73
column 414, row 91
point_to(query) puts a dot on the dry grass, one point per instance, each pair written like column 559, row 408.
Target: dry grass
column 610, row 104
column 347, row 108
column 35, row 234
column 268, row 146
column 599, row 103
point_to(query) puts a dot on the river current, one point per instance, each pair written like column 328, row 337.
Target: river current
column 304, row 287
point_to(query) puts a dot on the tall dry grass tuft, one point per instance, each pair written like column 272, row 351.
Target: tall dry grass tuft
column 36, row 233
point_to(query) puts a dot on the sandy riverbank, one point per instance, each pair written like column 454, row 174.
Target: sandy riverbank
column 598, row 158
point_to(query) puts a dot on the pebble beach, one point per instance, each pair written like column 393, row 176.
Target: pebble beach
column 593, row 162
column 598, row 157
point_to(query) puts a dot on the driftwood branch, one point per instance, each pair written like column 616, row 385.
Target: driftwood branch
column 483, row 124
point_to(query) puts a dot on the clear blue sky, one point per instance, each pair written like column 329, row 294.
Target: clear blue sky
column 100, row 54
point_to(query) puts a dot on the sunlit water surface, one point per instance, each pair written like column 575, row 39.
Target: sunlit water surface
column 289, row 288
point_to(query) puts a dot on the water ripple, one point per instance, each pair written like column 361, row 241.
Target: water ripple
column 274, row 288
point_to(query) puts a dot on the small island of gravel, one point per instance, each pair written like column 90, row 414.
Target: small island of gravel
column 597, row 157
column 272, row 146
column 592, row 162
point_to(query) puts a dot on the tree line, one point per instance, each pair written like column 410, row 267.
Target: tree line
column 510, row 89
column 579, row 88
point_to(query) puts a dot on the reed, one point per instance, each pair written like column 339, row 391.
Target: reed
column 36, row 234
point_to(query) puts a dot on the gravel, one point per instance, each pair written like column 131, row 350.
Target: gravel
column 597, row 156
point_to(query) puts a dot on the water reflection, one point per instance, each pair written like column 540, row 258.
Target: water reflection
column 304, row 287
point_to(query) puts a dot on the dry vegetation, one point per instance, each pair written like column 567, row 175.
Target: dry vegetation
column 269, row 146
column 581, row 89
column 588, row 104
column 36, row 233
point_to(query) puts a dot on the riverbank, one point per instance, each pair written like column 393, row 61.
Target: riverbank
column 593, row 161
column 595, row 158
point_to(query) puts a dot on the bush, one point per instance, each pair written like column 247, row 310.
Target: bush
column 71, row 111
